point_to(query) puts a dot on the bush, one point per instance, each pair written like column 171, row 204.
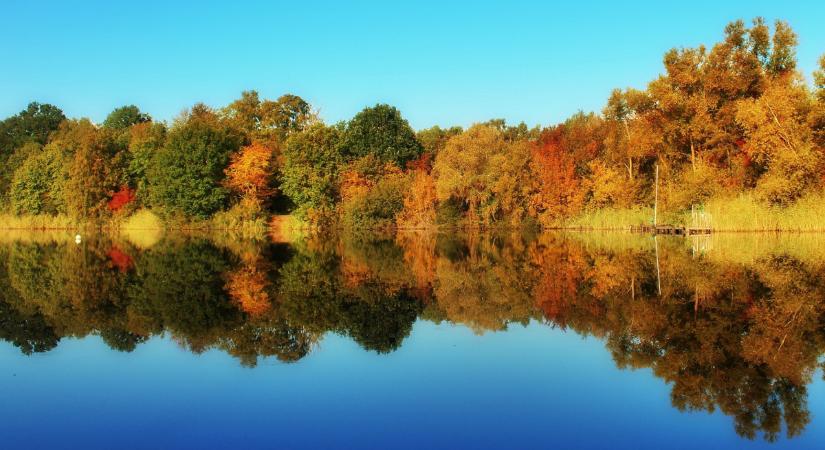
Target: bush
column 378, row 207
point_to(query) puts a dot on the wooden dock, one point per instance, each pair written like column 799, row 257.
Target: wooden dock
column 669, row 230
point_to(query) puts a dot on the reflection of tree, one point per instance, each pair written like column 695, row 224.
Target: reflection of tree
column 741, row 337
column 180, row 287
column 316, row 294
column 28, row 332
column 485, row 290
column 744, row 340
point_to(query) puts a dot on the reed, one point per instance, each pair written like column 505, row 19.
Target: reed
column 610, row 219
column 745, row 213
column 37, row 222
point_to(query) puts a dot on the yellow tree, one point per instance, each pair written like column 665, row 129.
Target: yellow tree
column 250, row 172
column 466, row 170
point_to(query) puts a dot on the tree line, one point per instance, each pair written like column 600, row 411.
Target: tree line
column 737, row 117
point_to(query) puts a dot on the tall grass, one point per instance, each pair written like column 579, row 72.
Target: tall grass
column 737, row 213
column 611, row 219
column 38, row 222
column 745, row 213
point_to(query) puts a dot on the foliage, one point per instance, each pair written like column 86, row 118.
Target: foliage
column 464, row 170
column 381, row 131
column 268, row 120
column 251, row 171
column 39, row 185
column 312, row 161
column 187, row 174
column 19, row 136
column 124, row 117
column 95, row 172
column 419, row 209
column 377, row 206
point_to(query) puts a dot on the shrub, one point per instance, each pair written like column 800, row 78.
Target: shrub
column 378, row 207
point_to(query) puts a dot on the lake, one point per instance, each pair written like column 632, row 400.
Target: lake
column 476, row 340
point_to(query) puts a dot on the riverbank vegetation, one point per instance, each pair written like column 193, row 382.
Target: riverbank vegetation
column 733, row 130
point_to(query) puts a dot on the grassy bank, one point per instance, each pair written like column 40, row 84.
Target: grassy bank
column 40, row 222
column 729, row 214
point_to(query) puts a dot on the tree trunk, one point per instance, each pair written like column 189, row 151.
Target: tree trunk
column 692, row 155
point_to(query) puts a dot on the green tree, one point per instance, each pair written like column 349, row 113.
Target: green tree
column 381, row 131
column 124, row 117
column 187, row 173
column 32, row 125
column 39, row 184
column 312, row 161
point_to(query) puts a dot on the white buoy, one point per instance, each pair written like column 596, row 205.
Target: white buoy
column 77, row 239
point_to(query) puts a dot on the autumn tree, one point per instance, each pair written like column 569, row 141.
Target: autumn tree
column 269, row 120
column 250, row 172
column 779, row 139
column 559, row 191
column 39, row 184
column 485, row 174
column 817, row 115
column 462, row 169
column 94, row 175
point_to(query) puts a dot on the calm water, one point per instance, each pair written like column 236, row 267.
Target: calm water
column 414, row 341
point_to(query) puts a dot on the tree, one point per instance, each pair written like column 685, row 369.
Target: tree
column 779, row 139
column 287, row 115
column 269, row 120
column 145, row 140
column 433, row 139
column 93, row 171
column 39, row 184
column 124, row 117
column 817, row 116
column 463, row 170
column 32, row 125
column 419, row 209
column 250, row 172
column 312, row 161
column 187, row 174
column 559, row 191
column 381, row 131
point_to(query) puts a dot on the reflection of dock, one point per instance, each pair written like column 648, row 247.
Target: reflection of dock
column 669, row 229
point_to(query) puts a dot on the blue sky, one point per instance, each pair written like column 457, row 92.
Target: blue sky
column 439, row 62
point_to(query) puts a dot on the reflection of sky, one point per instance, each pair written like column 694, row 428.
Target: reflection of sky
column 531, row 387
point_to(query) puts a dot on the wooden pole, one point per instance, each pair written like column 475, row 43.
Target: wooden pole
column 656, row 198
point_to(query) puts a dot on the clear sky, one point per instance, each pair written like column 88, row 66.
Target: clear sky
column 440, row 62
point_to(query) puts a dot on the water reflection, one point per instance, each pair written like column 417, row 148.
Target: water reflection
column 732, row 322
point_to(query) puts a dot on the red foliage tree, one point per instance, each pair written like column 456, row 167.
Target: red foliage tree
column 121, row 198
